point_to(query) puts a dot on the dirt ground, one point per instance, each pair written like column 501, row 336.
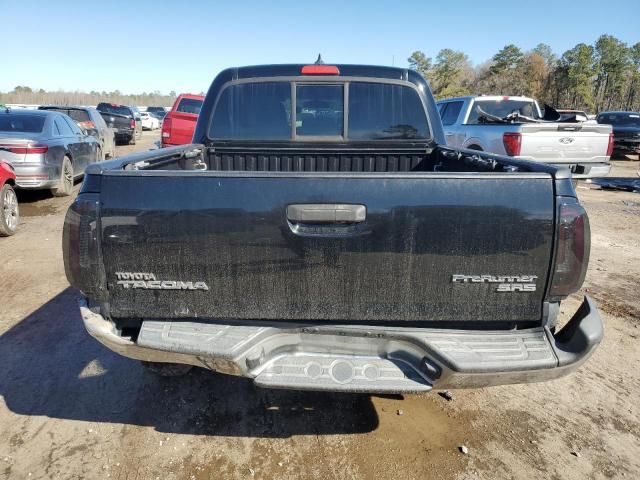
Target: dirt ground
column 70, row 408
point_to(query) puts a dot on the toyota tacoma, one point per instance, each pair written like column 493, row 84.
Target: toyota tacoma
column 320, row 235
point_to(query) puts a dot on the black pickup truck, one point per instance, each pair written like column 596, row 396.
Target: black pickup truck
column 125, row 121
column 322, row 236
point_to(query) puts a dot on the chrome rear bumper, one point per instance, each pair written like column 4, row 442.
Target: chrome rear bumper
column 361, row 358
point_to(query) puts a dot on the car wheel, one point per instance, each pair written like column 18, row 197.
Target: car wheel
column 65, row 185
column 9, row 214
column 167, row 369
column 132, row 140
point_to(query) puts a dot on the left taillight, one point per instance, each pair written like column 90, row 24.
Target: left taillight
column 87, row 125
column 512, row 143
column 81, row 246
column 572, row 249
column 610, row 146
column 28, row 148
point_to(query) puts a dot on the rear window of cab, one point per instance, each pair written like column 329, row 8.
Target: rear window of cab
column 267, row 111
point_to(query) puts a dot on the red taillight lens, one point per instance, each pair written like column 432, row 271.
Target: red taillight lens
column 29, row 148
column 132, row 123
column 572, row 250
column 166, row 127
column 87, row 125
column 512, row 143
column 320, row 70
column 610, row 146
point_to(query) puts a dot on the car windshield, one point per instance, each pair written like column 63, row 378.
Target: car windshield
column 12, row 122
column 190, row 105
column 487, row 111
column 620, row 119
column 115, row 109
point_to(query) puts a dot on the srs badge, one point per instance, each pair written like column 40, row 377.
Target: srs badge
column 503, row 283
column 148, row 281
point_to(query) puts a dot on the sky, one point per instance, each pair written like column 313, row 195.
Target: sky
column 140, row 46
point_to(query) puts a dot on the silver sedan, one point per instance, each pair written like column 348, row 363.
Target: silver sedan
column 47, row 149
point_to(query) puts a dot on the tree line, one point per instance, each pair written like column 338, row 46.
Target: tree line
column 599, row 77
column 26, row 95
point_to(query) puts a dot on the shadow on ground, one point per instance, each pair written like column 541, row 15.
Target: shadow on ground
column 50, row 366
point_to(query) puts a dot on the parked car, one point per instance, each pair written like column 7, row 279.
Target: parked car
column 626, row 131
column 126, row 124
column 92, row 122
column 149, row 122
column 320, row 235
column 180, row 121
column 513, row 126
column 46, row 148
column 9, row 211
column 158, row 112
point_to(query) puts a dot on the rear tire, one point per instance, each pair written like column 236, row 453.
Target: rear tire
column 65, row 185
column 167, row 369
column 132, row 140
column 9, row 214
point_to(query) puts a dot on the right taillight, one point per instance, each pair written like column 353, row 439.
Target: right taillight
column 512, row 143
column 166, row 127
column 610, row 146
column 132, row 124
column 572, row 249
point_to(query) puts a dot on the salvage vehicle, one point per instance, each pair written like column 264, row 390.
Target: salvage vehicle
column 124, row 120
column 514, row 126
column 91, row 121
column 570, row 115
column 180, row 122
column 46, row 148
column 321, row 235
column 626, row 131
column 9, row 211
column 149, row 122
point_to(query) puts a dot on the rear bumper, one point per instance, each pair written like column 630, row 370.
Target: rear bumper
column 363, row 358
column 36, row 176
column 586, row 170
column 124, row 132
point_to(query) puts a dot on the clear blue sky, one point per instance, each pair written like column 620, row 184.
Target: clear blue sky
column 141, row 45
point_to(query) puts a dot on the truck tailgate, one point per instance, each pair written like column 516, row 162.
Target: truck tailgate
column 565, row 142
column 116, row 121
column 182, row 126
column 332, row 247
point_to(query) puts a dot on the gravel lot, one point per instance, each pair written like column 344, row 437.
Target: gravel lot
column 70, row 408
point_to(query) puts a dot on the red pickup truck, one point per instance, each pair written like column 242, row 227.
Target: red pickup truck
column 178, row 125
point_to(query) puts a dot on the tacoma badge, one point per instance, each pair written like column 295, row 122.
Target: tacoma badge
column 148, row 281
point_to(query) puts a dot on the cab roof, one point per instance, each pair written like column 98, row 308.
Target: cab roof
column 345, row 70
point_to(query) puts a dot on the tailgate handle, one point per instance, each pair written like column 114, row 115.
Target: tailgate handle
column 340, row 213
